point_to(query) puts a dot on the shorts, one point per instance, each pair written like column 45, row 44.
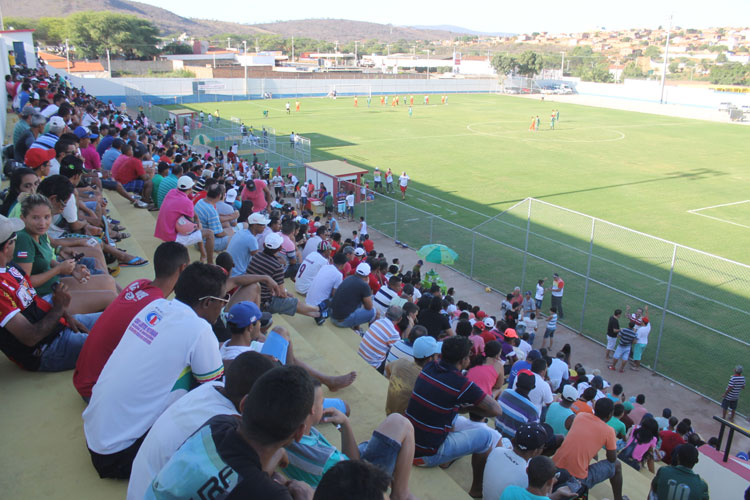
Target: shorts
column 110, row 184
column 729, row 404
column 221, row 243
column 538, row 303
column 91, row 205
column 285, row 305
column 638, row 351
column 458, row 444
column 549, row 333
column 381, row 451
column 378, row 184
column 403, row 189
column 611, row 343
column 598, row 473
column 190, row 239
column 134, row 186
column 622, row 352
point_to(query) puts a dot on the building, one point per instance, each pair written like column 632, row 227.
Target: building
column 82, row 69
column 21, row 42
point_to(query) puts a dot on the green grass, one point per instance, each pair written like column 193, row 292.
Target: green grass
column 473, row 158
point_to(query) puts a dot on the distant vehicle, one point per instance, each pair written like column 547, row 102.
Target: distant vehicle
column 511, row 90
column 563, row 89
column 725, row 106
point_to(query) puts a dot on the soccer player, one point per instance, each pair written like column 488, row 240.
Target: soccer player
column 288, row 109
column 368, row 101
column 409, row 111
column 538, row 123
column 382, row 100
column 411, row 100
column 355, row 101
column 552, row 121
column 532, row 127
column 296, row 106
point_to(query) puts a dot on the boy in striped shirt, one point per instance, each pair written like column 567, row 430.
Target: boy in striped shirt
column 732, row 394
column 378, row 339
column 549, row 332
column 626, row 337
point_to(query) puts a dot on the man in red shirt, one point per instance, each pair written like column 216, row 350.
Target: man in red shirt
column 367, row 243
column 671, row 440
column 170, row 259
column 128, row 170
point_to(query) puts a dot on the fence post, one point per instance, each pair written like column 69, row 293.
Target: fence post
column 395, row 220
column 431, row 220
column 526, row 246
column 666, row 304
column 473, row 242
column 588, row 273
column 365, row 204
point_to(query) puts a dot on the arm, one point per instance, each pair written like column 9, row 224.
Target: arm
column 569, row 421
column 31, row 334
column 367, row 303
column 267, row 194
column 612, row 456
column 348, row 441
column 498, row 387
column 55, row 269
column 488, row 407
column 249, row 279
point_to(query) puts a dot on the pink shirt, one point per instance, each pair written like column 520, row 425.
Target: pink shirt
column 258, row 197
column 175, row 205
column 484, row 376
column 91, row 158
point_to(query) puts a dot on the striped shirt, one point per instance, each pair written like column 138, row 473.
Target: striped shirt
column 208, row 216
column 267, row 265
column 627, row 337
column 383, row 298
column 736, row 384
column 374, row 345
column 552, row 322
column 403, row 349
column 440, row 391
column 517, row 410
column 45, row 141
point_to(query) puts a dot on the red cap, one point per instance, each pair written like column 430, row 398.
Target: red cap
column 481, row 315
column 479, row 325
column 35, row 157
column 510, row 333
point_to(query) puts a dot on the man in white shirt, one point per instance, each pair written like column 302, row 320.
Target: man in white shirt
column 311, row 266
column 167, row 345
column 541, row 395
column 185, row 416
column 383, row 297
column 640, row 342
column 326, row 281
column 403, row 181
column 350, row 206
column 312, row 244
column 506, row 467
column 558, row 371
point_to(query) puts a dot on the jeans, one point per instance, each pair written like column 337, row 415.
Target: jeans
column 62, row 353
column 359, row 316
column 459, row 444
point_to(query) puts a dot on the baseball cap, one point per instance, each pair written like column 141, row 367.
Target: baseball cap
column 258, row 218
column 510, row 333
column 273, row 241
column 9, row 226
column 528, row 292
column 481, row 315
column 347, row 250
column 243, row 314
column 359, row 252
column 185, row 182
column 628, row 406
column 250, row 184
column 324, row 246
column 231, row 196
column 569, row 393
column 525, row 380
column 489, row 322
column 35, row 157
column 530, row 436
column 82, row 132
column 533, row 354
column 363, row 269
column 426, row 346
column 479, row 325
column 56, row 122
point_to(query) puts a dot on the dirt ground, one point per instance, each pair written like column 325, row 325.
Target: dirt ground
column 660, row 393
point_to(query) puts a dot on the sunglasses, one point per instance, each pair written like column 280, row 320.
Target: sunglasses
column 225, row 300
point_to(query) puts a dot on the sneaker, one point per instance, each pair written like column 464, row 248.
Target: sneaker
column 323, row 308
column 140, row 204
column 320, row 320
column 113, row 221
column 135, row 196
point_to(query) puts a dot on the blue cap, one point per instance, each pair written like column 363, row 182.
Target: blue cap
column 533, row 355
column 426, row 346
column 243, row 314
column 82, row 132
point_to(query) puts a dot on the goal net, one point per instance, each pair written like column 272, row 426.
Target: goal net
column 351, row 90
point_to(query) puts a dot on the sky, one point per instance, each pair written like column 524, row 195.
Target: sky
column 556, row 16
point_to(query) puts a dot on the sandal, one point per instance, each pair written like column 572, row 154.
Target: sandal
column 117, row 227
column 611, row 367
column 140, row 204
column 120, row 236
column 134, row 262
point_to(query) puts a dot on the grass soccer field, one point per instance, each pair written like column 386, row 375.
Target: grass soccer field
column 474, row 157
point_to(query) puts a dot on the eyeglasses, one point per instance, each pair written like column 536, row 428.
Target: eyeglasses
column 226, row 298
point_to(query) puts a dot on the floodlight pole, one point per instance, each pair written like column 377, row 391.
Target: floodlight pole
column 244, row 56
column 666, row 58
column 562, row 64
column 428, row 63
column 67, row 54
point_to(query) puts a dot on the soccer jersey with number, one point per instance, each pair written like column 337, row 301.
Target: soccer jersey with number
column 308, row 270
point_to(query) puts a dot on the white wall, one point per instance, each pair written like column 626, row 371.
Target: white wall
column 650, row 90
column 28, row 43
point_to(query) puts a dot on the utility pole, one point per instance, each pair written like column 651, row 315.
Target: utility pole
column 666, row 58
column 256, row 45
column 562, row 64
column 244, row 56
column 109, row 64
column 67, row 54
column 356, row 43
column 428, row 63
column 292, row 48
column 229, row 43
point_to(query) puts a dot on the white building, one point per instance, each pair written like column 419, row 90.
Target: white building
column 21, row 42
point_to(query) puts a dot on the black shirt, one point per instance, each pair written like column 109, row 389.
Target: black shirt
column 435, row 322
column 613, row 327
column 349, row 297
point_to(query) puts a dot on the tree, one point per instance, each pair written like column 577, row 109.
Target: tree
column 632, row 70
column 652, row 51
column 730, row 74
column 597, row 73
column 92, row 33
column 175, row 48
column 505, row 64
column 674, row 67
column 721, row 58
column 530, row 63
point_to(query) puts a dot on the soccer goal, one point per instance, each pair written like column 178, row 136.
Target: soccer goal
column 351, row 90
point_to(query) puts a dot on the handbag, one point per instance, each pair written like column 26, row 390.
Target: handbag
column 626, row 455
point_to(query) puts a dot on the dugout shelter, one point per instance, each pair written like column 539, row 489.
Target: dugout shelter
column 336, row 175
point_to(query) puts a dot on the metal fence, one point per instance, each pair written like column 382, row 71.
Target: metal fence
column 697, row 303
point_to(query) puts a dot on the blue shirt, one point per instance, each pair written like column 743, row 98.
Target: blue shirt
column 208, row 216
column 104, row 145
column 519, row 365
column 514, row 492
column 241, row 248
column 45, row 141
column 439, row 392
column 109, row 157
column 517, row 410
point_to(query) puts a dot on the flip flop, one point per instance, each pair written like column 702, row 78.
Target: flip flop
column 134, row 262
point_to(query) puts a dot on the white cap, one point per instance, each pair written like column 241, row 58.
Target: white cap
column 273, row 241
column 56, row 123
column 363, row 269
column 258, row 218
column 185, row 182
column 488, row 322
column 9, row 226
column 231, row 196
column 359, row 251
column 570, row 393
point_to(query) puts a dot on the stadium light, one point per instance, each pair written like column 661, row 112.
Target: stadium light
column 666, row 58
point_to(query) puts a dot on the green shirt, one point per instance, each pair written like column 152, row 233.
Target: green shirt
column 39, row 254
column 556, row 417
column 15, row 210
column 20, row 129
column 156, row 181
column 165, row 186
column 311, row 458
column 619, row 427
column 679, row 482
column 514, row 492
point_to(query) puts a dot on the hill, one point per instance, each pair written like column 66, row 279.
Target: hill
column 172, row 24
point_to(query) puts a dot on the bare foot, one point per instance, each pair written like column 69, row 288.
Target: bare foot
column 341, row 381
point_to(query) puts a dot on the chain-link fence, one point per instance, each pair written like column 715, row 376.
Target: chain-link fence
column 697, row 303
